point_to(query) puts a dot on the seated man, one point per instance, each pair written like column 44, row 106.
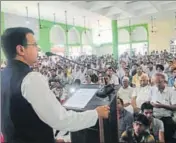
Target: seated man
column 163, row 100
column 172, row 79
column 125, row 118
column 113, row 77
column 125, row 93
column 156, row 126
column 138, row 133
column 137, row 77
column 141, row 94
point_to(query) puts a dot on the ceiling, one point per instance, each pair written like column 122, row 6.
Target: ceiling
column 125, row 9
column 47, row 8
column 93, row 11
column 137, row 11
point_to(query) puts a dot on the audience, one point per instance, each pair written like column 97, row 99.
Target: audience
column 148, row 86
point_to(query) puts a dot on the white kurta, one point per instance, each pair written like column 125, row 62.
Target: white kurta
column 126, row 95
column 35, row 90
column 142, row 94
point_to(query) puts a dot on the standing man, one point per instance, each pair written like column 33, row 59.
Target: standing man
column 29, row 109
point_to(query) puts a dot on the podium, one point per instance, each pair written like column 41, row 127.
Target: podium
column 105, row 130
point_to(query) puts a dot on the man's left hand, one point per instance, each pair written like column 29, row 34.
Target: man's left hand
column 157, row 104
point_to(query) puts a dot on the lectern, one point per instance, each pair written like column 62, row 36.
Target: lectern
column 105, row 130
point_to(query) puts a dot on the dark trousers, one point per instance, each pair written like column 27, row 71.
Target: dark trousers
column 169, row 128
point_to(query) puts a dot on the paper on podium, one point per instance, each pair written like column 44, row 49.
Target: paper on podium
column 80, row 98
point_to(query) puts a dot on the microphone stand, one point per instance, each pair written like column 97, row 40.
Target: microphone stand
column 52, row 54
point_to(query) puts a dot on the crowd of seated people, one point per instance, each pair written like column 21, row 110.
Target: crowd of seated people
column 148, row 88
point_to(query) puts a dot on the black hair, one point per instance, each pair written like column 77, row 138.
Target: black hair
column 136, row 64
column 160, row 66
column 150, row 63
column 13, row 37
column 94, row 78
column 77, row 82
column 142, row 118
column 147, row 106
column 121, row 100
column 173, row 69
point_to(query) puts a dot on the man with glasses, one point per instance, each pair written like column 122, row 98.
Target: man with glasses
column 163, row 100
column 29, row 109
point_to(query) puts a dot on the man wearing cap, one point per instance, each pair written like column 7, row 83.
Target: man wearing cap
column 160, row 69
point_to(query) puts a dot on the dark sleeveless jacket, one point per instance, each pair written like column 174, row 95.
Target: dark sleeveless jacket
column 19, row 122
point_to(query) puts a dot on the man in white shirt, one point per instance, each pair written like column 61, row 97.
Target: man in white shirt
column 151, row 70
column 125, row 93
column 141, row 94
column 122, row 69
column 163, row 100
column 29, row 108
column 113, row 78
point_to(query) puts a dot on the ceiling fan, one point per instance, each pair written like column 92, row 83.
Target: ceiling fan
column 27, row 16
column 39, row 18
column 153, row 25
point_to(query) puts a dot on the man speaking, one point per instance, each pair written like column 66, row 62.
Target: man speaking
column 29, row 109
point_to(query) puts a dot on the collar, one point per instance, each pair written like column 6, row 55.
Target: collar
column 125, row 88
column 122, row 113
column 18, row 63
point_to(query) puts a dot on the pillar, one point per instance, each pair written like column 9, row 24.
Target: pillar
column 115, row 39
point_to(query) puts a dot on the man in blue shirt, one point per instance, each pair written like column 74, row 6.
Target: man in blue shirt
column 172, row 78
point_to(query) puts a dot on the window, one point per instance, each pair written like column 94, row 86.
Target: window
column 124, row 48
column 140, row 48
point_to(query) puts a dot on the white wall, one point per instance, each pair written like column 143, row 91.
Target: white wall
column 161, row 39
column 165, row 23
column 11, row 20
column 123, row 36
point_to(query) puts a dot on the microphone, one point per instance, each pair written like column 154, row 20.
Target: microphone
column 50, row 54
